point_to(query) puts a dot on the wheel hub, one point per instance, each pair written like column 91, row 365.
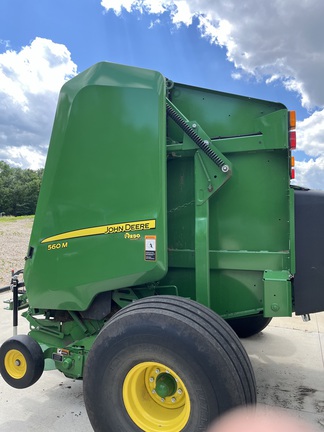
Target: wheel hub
column 15, row 364
column 156, row 398
column 165, row 385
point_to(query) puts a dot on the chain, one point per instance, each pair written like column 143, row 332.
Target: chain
column 180, row 207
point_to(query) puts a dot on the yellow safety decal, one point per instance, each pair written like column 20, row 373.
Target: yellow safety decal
column 104, row 229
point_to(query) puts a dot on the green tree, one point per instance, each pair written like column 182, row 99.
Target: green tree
column 19, row 190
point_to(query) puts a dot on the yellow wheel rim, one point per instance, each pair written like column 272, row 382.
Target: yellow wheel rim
column 156, row 398
column 15, row 364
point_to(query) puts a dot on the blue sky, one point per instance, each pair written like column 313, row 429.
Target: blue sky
column 251, row 48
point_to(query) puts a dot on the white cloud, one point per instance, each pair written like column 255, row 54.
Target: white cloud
column 150, row 6
column 310, row 140
column 275, row 39
column 5, row 42
column 29, row 84
column 236, row 76
column 310, row 134
column 270, row 40
column 34, row 159
column 310, row 173
column 182, row 14
column 154, row 23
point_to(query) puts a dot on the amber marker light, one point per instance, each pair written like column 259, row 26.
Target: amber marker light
column 292, row 119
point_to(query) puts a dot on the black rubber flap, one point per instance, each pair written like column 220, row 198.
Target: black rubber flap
column 309, row 279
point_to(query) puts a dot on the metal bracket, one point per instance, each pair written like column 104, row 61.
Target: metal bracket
column 124, row 297
column 277, row 293
column 212, row 168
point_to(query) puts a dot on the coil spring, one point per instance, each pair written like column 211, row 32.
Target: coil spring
column 196, row 138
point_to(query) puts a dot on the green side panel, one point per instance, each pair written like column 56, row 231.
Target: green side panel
column 250, row 216
column 277, row 294
column 100, row 222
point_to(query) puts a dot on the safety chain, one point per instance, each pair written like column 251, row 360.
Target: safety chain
column 180, row 207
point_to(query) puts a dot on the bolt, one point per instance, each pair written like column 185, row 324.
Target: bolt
column 275, row 307
column 173, row 400
column 206, row 142
column 151, row 379
column 180, row 391
column 167, row 371
column 162, row 399
column 225, row 168
column 17, row 362
column 153, row 391
column 194, row 125
column 157, row 371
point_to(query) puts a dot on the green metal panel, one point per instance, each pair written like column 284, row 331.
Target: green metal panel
column 277, row 293
column 100, row 222
column 104, row 206
column 249, row 219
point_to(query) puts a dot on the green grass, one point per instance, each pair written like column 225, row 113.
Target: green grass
column 14, row 218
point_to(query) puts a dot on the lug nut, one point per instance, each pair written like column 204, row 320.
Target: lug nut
column 151, row 379
column 157, row 371
column 173, row 399
column 179, row 391
column 162, row 399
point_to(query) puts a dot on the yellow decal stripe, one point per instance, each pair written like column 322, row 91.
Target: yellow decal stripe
column 104, row 229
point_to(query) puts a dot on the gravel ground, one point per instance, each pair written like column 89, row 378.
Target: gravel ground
column 14, row 239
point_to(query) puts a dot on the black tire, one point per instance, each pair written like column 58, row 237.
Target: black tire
column 170, row 335
column 249, row 326
column 21, row 361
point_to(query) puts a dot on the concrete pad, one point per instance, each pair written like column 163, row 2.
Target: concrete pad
column 289, row 368
column 54, row 403
column 296, row 323
column 320, row 322
column 287, row 358
column 321, row 341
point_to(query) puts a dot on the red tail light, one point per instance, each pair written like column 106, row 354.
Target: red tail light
column 292, row 140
